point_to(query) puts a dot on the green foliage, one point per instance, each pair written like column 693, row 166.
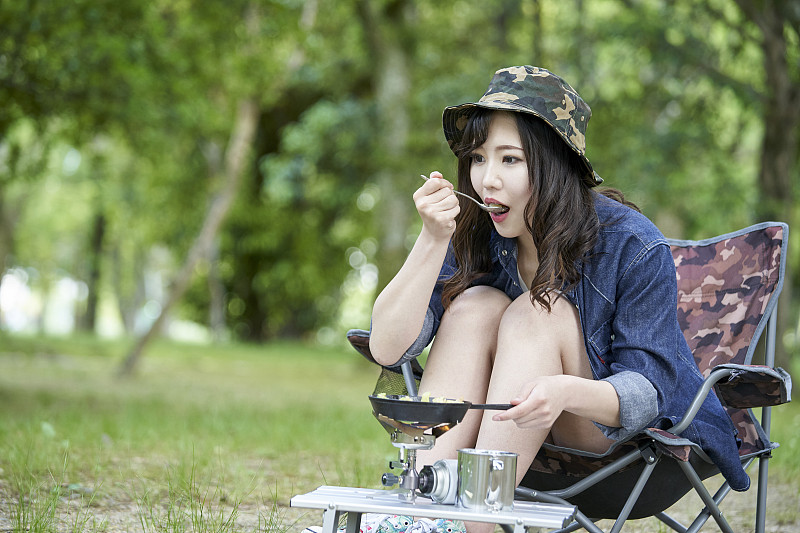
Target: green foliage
column 146, row 94
column 293, row 232
column 676, row 139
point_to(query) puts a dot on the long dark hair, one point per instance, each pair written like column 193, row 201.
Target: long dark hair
column 560, row 213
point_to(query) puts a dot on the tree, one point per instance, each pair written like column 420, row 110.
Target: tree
column 778, row 24
column 721, row 62
column 235, row 160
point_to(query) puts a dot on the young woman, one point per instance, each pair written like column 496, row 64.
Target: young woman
column 563, row 304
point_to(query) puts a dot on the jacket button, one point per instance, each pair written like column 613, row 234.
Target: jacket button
column 504, row 252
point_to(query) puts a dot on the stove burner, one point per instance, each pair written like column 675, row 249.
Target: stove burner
column 408, row 438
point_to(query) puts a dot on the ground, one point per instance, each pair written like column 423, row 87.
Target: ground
column 111, row 515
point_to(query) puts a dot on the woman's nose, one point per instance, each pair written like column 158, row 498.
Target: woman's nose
column 492, row 178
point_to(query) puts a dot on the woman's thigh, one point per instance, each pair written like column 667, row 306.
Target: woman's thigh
column 460, row 359
column 532, row 343
column 459, row 363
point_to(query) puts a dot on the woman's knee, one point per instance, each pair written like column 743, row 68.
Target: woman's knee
column 528, row 322
column 478, row 303
column 523, row 312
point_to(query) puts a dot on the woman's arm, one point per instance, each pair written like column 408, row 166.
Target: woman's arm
column 399, row 310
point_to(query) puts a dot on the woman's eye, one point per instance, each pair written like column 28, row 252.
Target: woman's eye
column 476, row 158
column 511, row 159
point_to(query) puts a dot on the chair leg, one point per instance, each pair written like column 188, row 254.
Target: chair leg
column 575, row 526
column 671, row 522
column 705, row 514
column 761, row 498
column 408, row 377
column 766, row 424
column 581, row 522
column 711, row 505
column 651, row 462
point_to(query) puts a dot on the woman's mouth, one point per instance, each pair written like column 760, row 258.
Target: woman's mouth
column 500, row 214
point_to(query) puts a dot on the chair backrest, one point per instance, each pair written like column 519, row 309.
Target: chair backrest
column 728, row 288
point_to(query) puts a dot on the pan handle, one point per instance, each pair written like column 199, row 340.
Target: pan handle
column 491, row 406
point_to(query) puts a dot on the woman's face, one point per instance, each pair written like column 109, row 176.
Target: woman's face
column 499, row 174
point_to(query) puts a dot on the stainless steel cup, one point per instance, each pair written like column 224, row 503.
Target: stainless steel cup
column 486, row 480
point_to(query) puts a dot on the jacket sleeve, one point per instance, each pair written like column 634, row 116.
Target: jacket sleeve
column 648, row 353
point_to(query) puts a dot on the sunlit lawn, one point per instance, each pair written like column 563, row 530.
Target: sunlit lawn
column 201, row 439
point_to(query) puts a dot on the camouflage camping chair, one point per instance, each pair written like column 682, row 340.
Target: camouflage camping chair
column 728, row 290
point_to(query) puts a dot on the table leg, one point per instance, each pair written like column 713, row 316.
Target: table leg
column 353, row 522
column 330, row 520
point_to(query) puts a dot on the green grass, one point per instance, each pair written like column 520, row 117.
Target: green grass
column 199, row 434
column 204, row 438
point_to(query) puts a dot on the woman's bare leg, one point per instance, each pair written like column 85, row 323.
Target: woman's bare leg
column 460, row 363
column 533, row 343
column 486, row 349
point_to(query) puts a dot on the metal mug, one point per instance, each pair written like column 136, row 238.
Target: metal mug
column 486, row 480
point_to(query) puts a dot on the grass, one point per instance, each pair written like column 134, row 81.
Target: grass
column 199, row 438
column 204, row 438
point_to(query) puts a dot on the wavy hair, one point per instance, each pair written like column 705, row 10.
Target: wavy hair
column 560, row 213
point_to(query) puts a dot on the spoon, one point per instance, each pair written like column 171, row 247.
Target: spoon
column 487, row 208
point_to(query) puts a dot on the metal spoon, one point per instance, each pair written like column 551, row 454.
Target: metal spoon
column 487, row 208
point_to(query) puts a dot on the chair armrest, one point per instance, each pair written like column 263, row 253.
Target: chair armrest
column 750, row 386
column 359, row 339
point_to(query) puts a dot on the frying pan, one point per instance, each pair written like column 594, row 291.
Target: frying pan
column 413, row 410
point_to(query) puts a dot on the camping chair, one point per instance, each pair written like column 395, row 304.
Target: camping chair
column 728, row 289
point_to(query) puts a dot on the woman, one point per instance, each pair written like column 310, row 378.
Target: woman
column 563, row 304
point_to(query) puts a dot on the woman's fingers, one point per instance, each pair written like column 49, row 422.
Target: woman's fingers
column 536, row 406
column 437, row 205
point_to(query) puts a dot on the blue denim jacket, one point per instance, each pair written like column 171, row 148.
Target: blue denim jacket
column 627, row 302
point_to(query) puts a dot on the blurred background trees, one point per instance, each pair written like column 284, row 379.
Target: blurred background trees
column 117, row 119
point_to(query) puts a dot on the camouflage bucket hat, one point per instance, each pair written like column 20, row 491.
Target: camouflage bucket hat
column 535, row 91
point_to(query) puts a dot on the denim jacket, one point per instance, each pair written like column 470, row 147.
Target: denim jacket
column 627, row 303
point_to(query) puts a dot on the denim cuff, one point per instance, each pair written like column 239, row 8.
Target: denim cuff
column 422, row 341
column 638, row 404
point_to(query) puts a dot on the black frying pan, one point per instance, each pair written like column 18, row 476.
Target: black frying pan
column 413, row 409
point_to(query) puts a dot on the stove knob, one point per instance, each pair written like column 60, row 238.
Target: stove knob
column 389, row 480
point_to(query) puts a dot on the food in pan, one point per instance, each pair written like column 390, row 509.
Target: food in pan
column 426, row 397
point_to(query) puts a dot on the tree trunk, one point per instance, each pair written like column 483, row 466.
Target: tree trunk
column 388, row 50
column 537, row 48
column 93, row 279
column 781, row 118
column 235, row 159
column 393, row 213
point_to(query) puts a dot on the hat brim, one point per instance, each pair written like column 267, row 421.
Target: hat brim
column 452, row 132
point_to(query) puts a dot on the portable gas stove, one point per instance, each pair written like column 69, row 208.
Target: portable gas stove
column 408, row 438
column 414, row 425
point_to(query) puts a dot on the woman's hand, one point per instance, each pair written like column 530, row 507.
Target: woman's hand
column 539, row 403
column 437, row 206
column 543, row 399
